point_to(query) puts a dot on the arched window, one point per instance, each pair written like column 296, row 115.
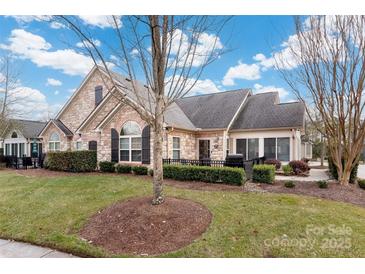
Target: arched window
column 14, row 135
column 130, row 142
column 54, row 143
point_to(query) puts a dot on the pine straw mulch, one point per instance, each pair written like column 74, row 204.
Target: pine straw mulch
column 136, row 227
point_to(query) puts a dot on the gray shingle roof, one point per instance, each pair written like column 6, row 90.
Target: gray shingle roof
column 212, row 110
column 62, row 127
column 29, row 129
column 264, row 111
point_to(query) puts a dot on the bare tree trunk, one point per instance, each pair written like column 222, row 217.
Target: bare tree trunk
column 322, row 150
column 157, row 158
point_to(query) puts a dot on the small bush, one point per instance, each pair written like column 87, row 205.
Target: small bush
column 361, row 183
column 299, row 167
column 333, row 170
column 123, row 169
column 305, row 160
column 225, row 175
column 150, row 172
column 289, row 184
column 263, row 174
column 273, row 162
column 71, row 161
column 322, row 184
column 140, row 170
column 106, row 166
column 287, row 170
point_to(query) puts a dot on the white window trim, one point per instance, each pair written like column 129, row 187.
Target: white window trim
column 76, row 145
column 176, row 149
column 129, row 137
column 54, row 146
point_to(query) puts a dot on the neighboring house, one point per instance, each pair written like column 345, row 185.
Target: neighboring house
column 21, row 138
column 196, row 127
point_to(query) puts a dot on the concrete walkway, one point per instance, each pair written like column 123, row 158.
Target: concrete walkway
column 314, row 175
column 361, row 171
column 12, row 249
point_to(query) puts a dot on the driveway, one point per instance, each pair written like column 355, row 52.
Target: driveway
column 314, row 175
column 12, row 249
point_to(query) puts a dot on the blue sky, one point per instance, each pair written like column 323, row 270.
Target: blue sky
column 52, row 66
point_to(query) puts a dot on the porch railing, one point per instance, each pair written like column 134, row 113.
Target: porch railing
column 246, row 164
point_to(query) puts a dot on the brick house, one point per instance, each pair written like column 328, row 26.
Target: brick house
column 196, row 127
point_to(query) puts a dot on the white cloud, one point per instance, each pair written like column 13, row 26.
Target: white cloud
column 53, row 82
column 241, row 71
column 96, row 42
column 29, row 18
column 134, row 52
column 204, row 87
column 207, row 45
column 101, row 21
column 262, row 89
column 71, row 90
column 35, row 48
column 2, row 77
column 57, row 25
column 56, row 92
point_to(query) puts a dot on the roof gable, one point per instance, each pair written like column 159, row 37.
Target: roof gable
column 212, row 110
column 27, row 128
column 264, row 111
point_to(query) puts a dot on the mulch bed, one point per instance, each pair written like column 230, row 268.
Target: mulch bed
column 138, row 228
column 349, row 194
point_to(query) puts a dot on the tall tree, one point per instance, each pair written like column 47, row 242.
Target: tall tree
column 168, row 53
column 9, row 93
column 327, row 57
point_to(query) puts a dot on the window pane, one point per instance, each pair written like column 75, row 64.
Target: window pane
column 176, row 154
column 241, row 147
column 7, row 149
column 283, row 149
column 253, row 148
column 136, row 155
column 124, row 143
column 21, row 149
column 78, row 145
column 269, row 148
column 54, row 137
column 130, row 128
column 57, row 145
column 51, row 146
column 176, row 142
column 137, row 143
column 124, row 155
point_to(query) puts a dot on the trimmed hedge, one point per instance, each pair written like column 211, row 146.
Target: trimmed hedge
column 123, row 169
column 299, row 167
column 333, row 170
column 263, row 174
column 140, row 170
column 106, row 166
column 72, row 161
column 273, row 162
column 224, row 175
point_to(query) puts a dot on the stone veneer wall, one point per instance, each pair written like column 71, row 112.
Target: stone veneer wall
column 188, row 144
column 216, row 143
column 65, row 141
column 83, row 103
column 125, row 113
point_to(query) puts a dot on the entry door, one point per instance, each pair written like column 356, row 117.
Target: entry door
column 204, row 149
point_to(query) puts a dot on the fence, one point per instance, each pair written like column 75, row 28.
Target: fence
column 246, row 164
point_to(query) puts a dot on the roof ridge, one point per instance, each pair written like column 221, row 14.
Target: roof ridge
column 26, row 120
column 216, row 93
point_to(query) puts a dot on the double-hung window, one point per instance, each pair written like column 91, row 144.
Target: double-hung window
column 54, row 143
column 175, row 147
column 130, row 142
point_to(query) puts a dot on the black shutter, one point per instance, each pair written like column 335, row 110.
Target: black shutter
column 146, row 145
column 98, row 95
column 93, row 145
column 114, row 145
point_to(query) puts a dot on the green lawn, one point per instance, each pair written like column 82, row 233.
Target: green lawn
column 50, row 212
